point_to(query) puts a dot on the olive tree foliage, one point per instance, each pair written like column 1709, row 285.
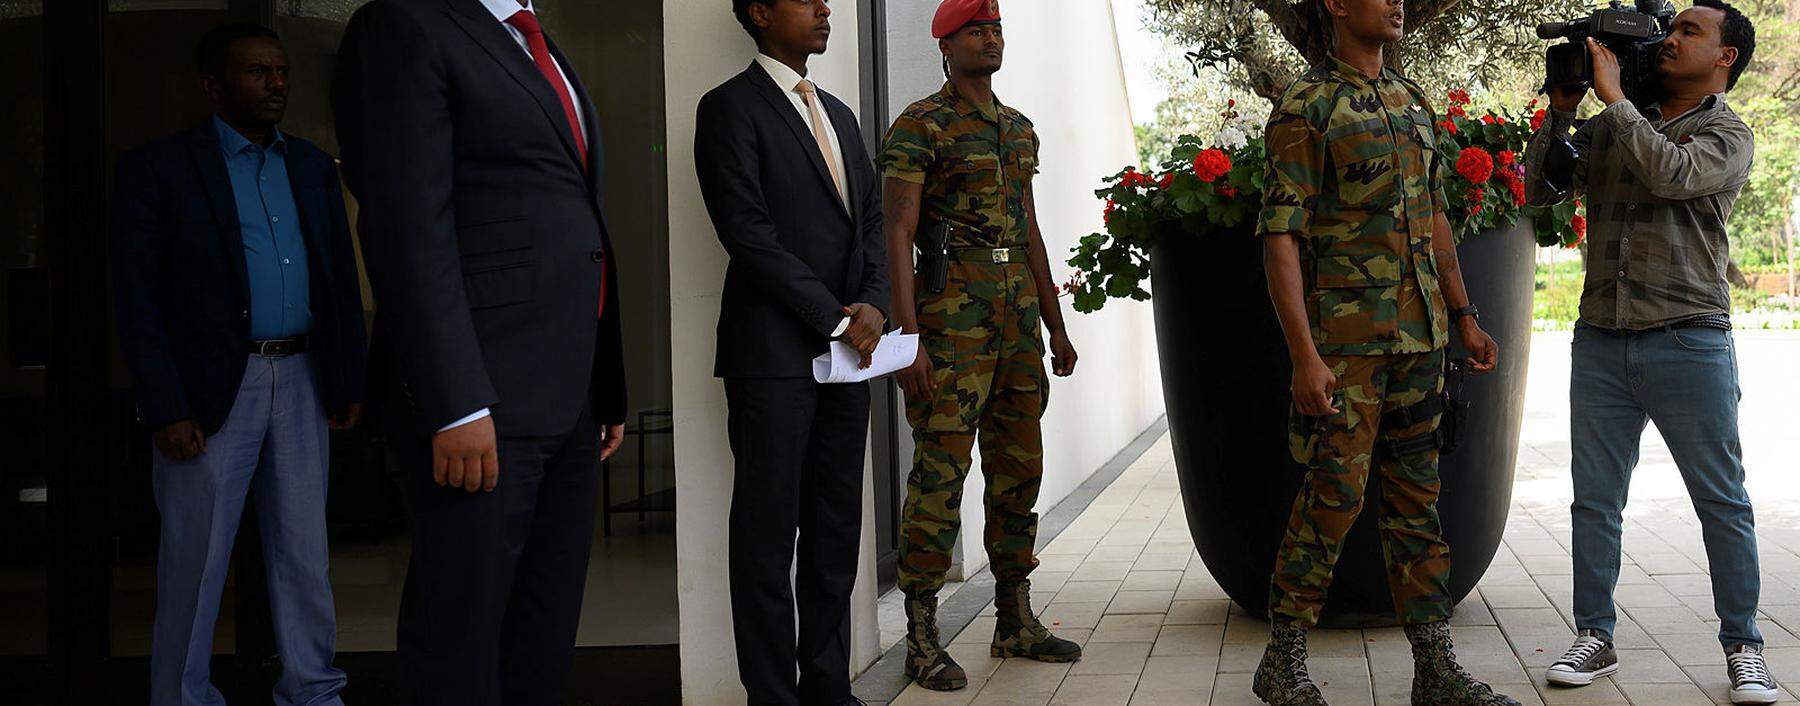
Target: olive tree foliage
column 1260, row 46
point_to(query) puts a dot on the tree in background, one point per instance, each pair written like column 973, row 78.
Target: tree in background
column 1251, row 50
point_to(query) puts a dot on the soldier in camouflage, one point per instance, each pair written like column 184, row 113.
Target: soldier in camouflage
column 959, row 164
column 1361, row 263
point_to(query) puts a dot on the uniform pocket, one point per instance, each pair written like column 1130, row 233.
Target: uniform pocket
column 1365, row 170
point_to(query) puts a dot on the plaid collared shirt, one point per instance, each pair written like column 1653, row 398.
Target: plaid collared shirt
column 1658, row 195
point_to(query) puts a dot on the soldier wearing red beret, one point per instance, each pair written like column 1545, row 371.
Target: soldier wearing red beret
column 958, row 167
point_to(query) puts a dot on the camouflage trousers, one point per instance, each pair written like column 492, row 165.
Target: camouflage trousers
column 987, row 355
column 1339, row 451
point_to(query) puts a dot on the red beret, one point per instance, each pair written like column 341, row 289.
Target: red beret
column 953, row 15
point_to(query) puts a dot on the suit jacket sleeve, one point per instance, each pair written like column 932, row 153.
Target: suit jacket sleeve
column 138, row 279
column 874, row 242
column 348, row 297
column 728, row 164
column 393, row 113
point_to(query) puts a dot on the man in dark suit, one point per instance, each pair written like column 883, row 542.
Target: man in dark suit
column 793, row 196
column 476, row 156
column 240, row 315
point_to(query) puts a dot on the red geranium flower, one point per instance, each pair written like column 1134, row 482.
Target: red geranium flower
column 1459, row 97
column 1475, row 164
column 1537, row 119
column 1228, row 192
column 1476, row 195
column 1579, row 223
column 1488, row 119
column 1167, row 179
column 1211, row 164
column 1456, row 111
column 1475, row 210
column 1518, row 191
column 1448, row 126
column 1110, row 207
column 1507, row 158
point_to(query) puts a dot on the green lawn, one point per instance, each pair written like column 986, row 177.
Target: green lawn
column 1558, row 302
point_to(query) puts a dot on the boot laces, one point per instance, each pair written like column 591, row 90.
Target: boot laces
column 1584, row 649
column 1748, row 666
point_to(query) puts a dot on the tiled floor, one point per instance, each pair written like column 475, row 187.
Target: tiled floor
column 1124, row 580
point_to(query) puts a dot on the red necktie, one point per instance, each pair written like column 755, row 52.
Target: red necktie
column 527, row 24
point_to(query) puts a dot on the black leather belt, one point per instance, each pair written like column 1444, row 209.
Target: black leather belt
column 279, row 347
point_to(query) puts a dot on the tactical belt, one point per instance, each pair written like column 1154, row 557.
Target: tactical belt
column 998, row 256
column 1448, row 403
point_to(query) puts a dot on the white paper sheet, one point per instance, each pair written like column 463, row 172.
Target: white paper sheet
column 844, row 364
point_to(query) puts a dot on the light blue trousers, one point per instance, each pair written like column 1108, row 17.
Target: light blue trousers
column 275, row 441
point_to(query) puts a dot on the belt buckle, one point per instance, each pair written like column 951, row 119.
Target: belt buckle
column 262, row 348
column 1001, row 256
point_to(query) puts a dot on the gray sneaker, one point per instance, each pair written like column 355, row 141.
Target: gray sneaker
column 1750, row 680
column 1590, row 658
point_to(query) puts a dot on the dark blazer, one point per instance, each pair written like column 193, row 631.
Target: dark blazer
column 183, row 287
column 483, row 231
column 798, row 256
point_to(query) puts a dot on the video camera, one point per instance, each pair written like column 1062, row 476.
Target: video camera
column 1634, row 34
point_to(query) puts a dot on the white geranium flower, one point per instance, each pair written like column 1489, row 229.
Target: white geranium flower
column 1230, row 138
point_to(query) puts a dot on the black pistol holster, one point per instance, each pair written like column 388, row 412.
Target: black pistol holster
column 1449, row 403
column 933, row 242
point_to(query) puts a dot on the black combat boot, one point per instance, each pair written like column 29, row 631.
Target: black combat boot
column 1438, row 679
column 1018, row 632
column 926, row 661
column 1281, row 678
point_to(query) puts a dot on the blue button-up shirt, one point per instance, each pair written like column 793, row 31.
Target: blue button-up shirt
column 274, row 247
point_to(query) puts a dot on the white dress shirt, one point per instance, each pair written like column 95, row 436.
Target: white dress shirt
column 503, row 9
column 786, row 79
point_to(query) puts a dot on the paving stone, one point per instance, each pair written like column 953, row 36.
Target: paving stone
column 1189, row 640
column 1128, row 628
column 1143, row 602
column 1112, row 658
column 1648, row 666
column 1092, row 690
column 1087, row 592
column 1682, row 694
column 1151, row 580
column 1092, row 570
column 1197, row 613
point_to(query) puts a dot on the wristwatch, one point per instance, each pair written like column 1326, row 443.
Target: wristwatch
column 1470, row 310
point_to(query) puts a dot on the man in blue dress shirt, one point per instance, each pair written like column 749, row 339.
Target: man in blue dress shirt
column 240, row 314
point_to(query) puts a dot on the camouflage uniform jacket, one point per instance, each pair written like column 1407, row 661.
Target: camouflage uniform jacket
column 1354, row 176
column 974, row 162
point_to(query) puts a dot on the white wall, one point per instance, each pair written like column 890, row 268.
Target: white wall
column 1064, row 73
column 704, row 46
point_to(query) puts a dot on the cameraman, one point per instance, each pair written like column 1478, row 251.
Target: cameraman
column 1654, row 340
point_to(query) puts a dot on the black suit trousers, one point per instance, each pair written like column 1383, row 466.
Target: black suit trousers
column 799, row 448
column 493, row 591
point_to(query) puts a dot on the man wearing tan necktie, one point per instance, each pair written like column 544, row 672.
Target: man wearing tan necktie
column 792, row 194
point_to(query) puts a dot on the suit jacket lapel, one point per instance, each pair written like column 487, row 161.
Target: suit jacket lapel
column 494, row 40
column 203, row 145
column 778, row 101
column 596, row 161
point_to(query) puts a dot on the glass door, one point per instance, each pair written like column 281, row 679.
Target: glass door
column 25, row 470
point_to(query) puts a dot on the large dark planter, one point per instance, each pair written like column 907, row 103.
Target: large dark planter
column 1225, row 381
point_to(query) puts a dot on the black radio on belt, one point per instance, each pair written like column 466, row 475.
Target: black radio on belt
column 933, row 242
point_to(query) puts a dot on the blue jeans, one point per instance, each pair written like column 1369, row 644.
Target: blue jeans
column 276, row 442
column 1686, row 381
